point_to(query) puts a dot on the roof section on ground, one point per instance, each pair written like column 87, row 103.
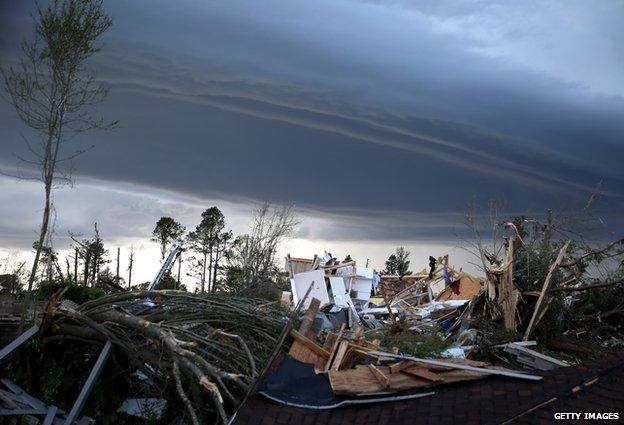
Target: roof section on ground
column 594, row 386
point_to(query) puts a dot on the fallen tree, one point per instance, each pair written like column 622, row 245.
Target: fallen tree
column 209, row 347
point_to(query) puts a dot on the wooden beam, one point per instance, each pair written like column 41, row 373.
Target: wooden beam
column 18, row 341
column 308, row 319
column 403, row 364
column 334, row 347
column 424, row 373
column 383, row 380
column 499, row 372
column 537, row 313
column 340, row 354
column 308, row 343
column 89, row 384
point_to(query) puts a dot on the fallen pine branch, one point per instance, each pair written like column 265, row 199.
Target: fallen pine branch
column 207, row 346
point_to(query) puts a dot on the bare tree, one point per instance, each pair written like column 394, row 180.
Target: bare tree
column 252, row 257
column 130, row 264
column 52, row 92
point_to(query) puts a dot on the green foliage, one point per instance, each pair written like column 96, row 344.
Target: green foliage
column 10, row 284
column 170, row 282
column 77, row 293
column 71, row 26
column 67, row 366
column 269, row 286
column 166, row 231
column 398, row 263
column 412, row 343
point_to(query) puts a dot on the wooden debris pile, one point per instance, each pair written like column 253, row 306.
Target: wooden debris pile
column 357, row 367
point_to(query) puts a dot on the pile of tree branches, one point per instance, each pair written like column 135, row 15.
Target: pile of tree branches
column 210, row 347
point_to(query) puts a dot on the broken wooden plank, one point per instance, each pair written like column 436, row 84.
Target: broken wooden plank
column 340, row 354
column 423, row 372
column 49, row 419
column 18, row 341
column 499, row 372
column 533, row 358
column 309, row 344
column 308, row 318
column 20, row 412
column 334, row 348
column 360, row 380
column 89, row 383
column 403, row 364
column 383, row 380
column 23, row 395
column 537, row 313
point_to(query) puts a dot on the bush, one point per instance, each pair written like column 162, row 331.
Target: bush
column 76, row 293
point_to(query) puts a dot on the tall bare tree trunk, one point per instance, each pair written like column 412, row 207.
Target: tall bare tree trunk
column 203, row 280
column 31, row 280
column 76, row 266
column 130, row 269
column 117, row 276
column 210, row 266
column 179, row 269
column 215, row 269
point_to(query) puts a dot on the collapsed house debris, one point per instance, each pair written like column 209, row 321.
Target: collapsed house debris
column 344, row 335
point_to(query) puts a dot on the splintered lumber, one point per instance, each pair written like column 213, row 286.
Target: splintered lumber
column 538, row 312
column 508, row 293
column 423, row 372
column 508, row 373
column 308, row 318
column 309, row 344
column 334, row 348
column 360, row 381
column 383, row 380
column 329, row 342
column 363, row 381
column 403, row 364
column 303, row 348
column 340, row 355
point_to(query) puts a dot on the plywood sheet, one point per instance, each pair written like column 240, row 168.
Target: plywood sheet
column 319, row 291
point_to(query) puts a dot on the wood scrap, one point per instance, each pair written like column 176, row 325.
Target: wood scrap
column 308, row 344
column 383, row 380
column 403, row 364
column 542, row 305
column 454, row 365
column 340, row 354
column 334, row 348
column 532, row 358
column 423, row 372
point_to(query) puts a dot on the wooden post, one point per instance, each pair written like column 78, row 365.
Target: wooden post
column 508, row 298
column 538, row 313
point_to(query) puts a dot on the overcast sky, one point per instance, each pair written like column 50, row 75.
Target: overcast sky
column 379, row 120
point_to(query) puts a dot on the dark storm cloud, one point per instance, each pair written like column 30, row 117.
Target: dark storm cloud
column 380, row 114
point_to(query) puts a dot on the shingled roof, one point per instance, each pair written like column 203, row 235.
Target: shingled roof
column 593, row 386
